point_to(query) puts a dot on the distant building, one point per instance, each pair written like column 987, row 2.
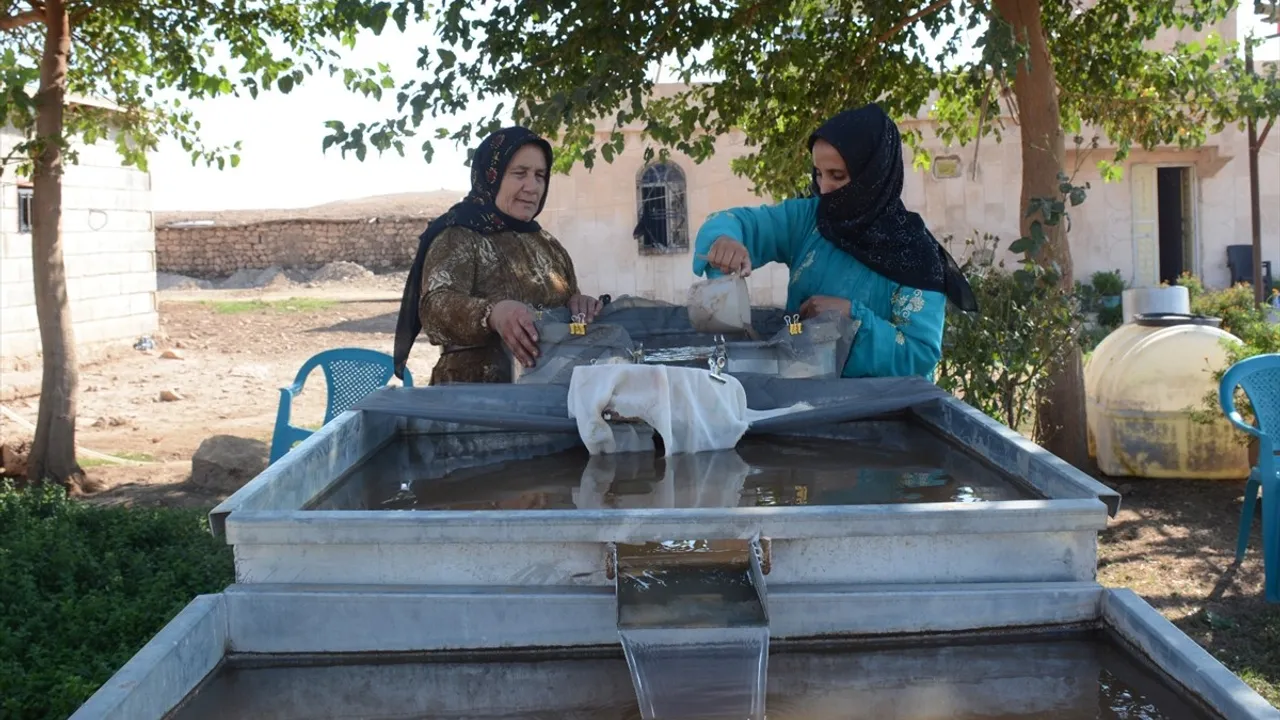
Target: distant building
column 108, row 243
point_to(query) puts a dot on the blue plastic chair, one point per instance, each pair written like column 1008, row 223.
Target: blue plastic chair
column 351, row 374
column 1259, row 377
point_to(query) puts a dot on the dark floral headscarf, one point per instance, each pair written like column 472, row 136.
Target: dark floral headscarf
column 866, row 218
column 477, row 212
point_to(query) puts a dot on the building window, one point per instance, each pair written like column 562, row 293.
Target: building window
column 24, row 209
column 662, row 225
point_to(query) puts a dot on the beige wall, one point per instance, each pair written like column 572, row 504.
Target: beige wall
column 221, row 250
column 1103, row 228
column 594, row 212
column 109, row 249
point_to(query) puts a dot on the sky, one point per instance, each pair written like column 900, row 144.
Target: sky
column 282, row 165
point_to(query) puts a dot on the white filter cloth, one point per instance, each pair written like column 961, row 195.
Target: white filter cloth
column 692, row 411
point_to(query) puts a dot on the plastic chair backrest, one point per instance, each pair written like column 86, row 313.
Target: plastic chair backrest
column 1259, row 377
column 351, row 374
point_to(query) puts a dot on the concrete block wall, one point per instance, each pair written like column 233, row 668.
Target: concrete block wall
column 214, row 251
column 109, row 249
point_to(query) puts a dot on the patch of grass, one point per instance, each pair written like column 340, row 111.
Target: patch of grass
column 236, row 307
column 1248, row 643
column 85, row 587
column 92, row 462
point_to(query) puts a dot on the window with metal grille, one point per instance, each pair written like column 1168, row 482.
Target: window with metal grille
column 662, row 224
column 24, row 209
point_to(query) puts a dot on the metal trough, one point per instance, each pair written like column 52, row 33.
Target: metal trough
column 1049, row 536
column 277, row 652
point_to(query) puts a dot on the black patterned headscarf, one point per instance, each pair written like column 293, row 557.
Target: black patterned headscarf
column 866, row 218
column 477, row 212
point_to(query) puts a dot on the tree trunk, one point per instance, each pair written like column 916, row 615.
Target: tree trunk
column 53, row 452
column 1060, row 418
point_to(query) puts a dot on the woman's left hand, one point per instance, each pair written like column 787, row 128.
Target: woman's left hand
column 585, row 305
column 819, row 304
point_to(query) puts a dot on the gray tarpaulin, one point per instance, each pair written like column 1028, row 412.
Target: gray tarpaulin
column 544, row 408
column 538, row 402
column 661, row 333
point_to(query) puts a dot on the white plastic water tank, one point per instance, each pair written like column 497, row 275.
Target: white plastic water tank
column 1169, row 300
column 1141, row 384
column 1103, row 356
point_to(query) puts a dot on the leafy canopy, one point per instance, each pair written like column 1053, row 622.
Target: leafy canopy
column 782, row 66
column 146, row 57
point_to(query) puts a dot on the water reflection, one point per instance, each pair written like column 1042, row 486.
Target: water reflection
column 1080, row 678
column 759, row 472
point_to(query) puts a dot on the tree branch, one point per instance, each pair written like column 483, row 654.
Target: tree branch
column 22, row 19
column 1262, row 136
column 903, row 23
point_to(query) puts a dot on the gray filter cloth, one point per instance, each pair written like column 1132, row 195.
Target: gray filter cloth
column 538, row 401
column 660, row 329
column 544, row 408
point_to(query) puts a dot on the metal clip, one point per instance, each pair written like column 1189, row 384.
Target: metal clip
column 579, row 325
column 718, row 359
column 793, row 324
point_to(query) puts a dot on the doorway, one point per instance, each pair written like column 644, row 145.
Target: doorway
column 1175, row 222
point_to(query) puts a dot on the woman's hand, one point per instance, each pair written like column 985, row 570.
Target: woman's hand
column 585, row 305
column 729, row 256
column 819, row 304
column 513, row 321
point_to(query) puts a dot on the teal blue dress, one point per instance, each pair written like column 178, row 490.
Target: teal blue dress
column 899, row 328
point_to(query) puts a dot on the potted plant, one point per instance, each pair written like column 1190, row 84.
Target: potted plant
column 1109, row 286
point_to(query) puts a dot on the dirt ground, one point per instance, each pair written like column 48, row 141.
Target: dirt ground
column 234, row 351
column 1172, row 543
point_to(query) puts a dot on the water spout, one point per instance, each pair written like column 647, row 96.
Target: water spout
column 694, row 623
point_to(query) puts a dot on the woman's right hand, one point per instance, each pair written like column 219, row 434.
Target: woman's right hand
column 513, row 321
column 729, row 256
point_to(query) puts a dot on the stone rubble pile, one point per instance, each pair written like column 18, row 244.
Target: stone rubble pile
column 278, row 278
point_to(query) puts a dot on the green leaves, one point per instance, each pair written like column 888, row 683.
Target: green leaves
column 139, row 55
column 1000, row 360
column 780, row 67
column 86, row 587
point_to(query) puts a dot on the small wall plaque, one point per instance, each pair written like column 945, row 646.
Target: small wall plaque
column 946, row 167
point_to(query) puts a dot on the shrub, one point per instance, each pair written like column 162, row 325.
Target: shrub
column 1108, row 283
column 998, row 360
column 1242, row 318
column 85, row 587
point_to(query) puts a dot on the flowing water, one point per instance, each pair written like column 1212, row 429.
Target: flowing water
column 1070, row 677
column 694, row 626
column 890, row 463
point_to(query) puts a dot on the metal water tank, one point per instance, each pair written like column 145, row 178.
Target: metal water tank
column 1141, row 385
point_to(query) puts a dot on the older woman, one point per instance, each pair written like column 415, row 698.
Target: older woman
column 483, row 266
column 853, row 249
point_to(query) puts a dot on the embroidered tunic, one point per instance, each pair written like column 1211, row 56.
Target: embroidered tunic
column 899, row 328
column 465, row 274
